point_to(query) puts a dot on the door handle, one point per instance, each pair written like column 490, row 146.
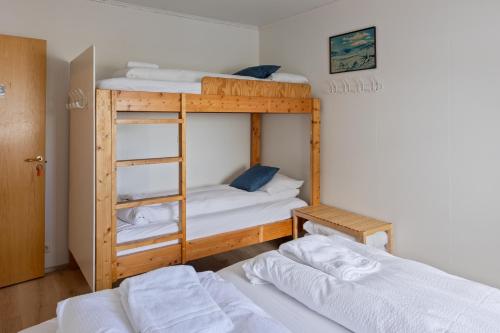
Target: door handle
column 35, row 159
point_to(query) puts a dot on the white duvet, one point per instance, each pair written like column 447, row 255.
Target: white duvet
column 103, row 311
column 403, row 296
column 201, row 200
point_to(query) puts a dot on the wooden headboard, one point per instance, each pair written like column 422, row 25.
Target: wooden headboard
column 236, row 87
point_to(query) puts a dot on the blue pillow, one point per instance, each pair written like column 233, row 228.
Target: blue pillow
column 259, row 72
column 254, row 178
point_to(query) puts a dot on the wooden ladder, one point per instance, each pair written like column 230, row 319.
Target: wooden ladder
column 180, row 197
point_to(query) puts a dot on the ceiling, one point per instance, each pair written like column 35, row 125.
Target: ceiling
column 248, row 12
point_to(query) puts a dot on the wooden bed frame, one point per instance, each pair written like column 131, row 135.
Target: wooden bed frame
column 218, row 96
column 93, row 166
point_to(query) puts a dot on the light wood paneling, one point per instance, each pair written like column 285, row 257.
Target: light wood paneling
column 147, row 101
column 255, row 139
column 147, row 121
column 182, row 177
column 141, row 262
column 148, row 241
column 353, row 224
column 236, row 87
column 228, row 241
column 148, row 161
column 242, row 104
column 22, row 136
column 148, row 201
column 103, row 171
column 315, row 153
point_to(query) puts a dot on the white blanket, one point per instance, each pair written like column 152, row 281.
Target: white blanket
column 330, row 257
column 171, row 300
column 245, row 315
column 103, row 311
column 97, row 312
column 404, row 296
column 202, row 200
column 178, row 75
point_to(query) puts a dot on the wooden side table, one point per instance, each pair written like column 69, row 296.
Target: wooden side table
column 358, row 226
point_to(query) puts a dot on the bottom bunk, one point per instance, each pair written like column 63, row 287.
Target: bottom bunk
column 141, row 248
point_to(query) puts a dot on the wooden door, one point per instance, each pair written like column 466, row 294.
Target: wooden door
column 22, row 156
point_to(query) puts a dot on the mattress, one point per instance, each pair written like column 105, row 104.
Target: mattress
column 294, row 315
column 123, row 83
column 210, row 224
column 291, row 313
column 49, row 326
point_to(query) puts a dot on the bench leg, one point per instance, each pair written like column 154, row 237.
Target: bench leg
column 388, row 247
column 295, row 226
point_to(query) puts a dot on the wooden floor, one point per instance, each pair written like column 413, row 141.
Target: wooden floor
column 29, row 303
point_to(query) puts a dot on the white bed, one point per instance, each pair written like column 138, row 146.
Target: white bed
column 211, row 210
column 210, row 224
column 176, row 81
column 123, row 83
column 278, row 305
column 293, row 314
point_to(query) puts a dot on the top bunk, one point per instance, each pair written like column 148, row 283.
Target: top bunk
column 167, row 90
column 220, row 95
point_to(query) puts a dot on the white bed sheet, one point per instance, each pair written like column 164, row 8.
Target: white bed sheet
column 210, row 224
column 123, row 83
column 291, row 313
column 49, row 326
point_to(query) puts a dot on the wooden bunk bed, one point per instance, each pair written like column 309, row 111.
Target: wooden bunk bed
column 218, row 95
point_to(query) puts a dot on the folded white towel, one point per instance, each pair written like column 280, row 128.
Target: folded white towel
column 378, row 239
column 139, row 64
column 328, row 256
column 171, row 300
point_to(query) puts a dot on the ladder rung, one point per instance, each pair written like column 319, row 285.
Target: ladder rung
column 148, row 241
column 144, row 161
column 146, row 121
column 148, row 201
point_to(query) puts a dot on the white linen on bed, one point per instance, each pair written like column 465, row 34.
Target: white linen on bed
column 378, row 239
column 140, row 64
column 171, row 299
column 97, row 312
column 246, row 316
column 291, row 313
column 330, row 257
column 49, row 326
column 404, row 296
column 174, row 75
column 103, row 311
column 288, row 77
column 210, row 224
column 123, row 83
column 202, row 200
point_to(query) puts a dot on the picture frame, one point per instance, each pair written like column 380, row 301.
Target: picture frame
column 353, row 51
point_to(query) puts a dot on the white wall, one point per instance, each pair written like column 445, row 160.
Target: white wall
column 121, row 34
column 425, row 152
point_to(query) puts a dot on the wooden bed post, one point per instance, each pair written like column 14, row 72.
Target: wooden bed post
column 255, row 138
column 315, row 153
column 103, row 205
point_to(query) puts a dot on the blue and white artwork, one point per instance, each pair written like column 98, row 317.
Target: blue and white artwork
column 353, row 51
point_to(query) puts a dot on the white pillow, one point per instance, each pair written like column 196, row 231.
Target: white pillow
column 281, row 183
column 287, row 77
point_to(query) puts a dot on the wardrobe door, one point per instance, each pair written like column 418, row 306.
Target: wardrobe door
column 22, row 161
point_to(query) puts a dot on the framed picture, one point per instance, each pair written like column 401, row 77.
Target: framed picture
column 353, row 51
